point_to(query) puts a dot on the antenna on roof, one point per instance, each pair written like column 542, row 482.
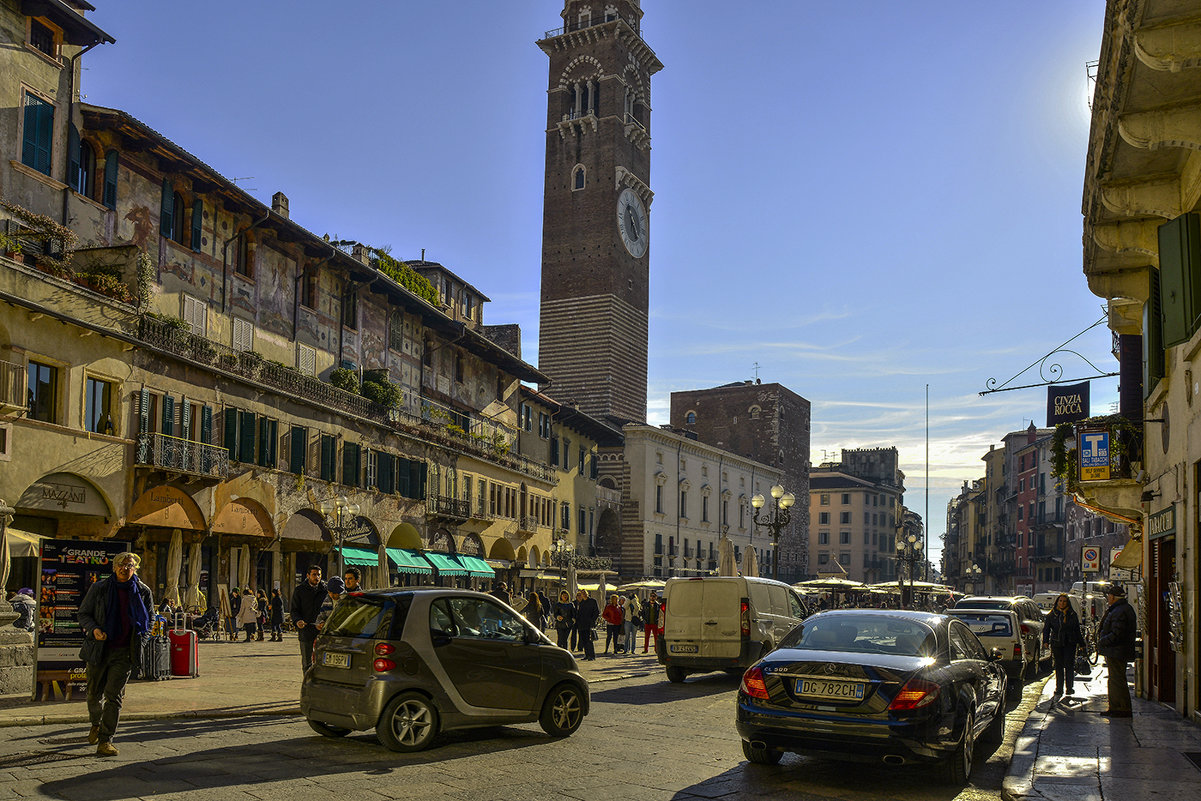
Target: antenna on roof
column 244, row 188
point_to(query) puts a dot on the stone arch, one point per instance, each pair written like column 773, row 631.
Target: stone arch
column 608, row 483
column 533, row 559
column 442, row 541
column 405, row 536
column 166, row 507
column 570, row 74
column 472, row 545
column 608, row 533
column 244, row 516
column 502, row 549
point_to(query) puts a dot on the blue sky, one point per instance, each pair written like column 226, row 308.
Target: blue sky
column 863, row 197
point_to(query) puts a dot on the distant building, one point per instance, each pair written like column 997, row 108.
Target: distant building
column 770, row 424
column 853, row 506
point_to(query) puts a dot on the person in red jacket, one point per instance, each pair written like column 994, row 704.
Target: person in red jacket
column 612, row 617
column 652, row 619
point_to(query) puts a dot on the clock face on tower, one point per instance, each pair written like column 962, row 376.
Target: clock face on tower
column 631, row 221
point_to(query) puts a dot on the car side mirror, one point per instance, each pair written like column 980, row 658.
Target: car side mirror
column 439, row 637
column 532, row 637
column 996, row 654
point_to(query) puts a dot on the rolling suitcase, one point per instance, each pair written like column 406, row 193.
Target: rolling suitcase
column 185, row 654
column 156, row 659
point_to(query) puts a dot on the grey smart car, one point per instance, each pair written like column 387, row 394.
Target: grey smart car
column 413, row 662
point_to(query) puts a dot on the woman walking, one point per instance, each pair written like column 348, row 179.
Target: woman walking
column 261, row 600
column 275, row 607
column 612, row 616
column 1062, row 632
column 248, row 614
column 564, row 618
column 632, row 622
column 533, row 611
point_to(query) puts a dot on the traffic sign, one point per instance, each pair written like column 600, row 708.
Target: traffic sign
column 1090, row 559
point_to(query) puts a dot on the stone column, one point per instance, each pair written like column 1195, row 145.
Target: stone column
column 16, row 646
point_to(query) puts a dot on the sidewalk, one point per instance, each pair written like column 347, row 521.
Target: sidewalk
column 242, row 679
column 1067, row 752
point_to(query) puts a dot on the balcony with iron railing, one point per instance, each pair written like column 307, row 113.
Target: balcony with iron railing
column 446, row 507
column 177, row 455
column 580, row 25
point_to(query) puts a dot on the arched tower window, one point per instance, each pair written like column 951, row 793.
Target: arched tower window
column 577, row 177
column 754, row 411
column 690, row 418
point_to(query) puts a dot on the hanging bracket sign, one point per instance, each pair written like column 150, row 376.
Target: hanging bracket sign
column 1093, row 447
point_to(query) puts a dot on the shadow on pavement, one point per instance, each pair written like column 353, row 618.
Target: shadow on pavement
column 664, row 692
column 245, row 766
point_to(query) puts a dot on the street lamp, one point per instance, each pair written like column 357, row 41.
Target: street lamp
column 780, row 517
column 973, row 575
column 339, row 515
column 909, row 551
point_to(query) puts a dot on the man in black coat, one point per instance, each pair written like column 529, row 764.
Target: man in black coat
column 587, row 612
column 1115, row 643
column 307, row 599
column 115, row 617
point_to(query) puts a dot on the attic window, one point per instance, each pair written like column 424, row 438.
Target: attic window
column 43, row 38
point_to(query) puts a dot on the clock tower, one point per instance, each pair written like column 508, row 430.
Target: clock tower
column 592, row 339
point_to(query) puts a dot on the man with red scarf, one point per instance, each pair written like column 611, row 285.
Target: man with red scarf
column 116, row 613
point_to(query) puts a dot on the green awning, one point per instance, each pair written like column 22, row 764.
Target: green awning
column 408, row 561
column 475, row 566
column 359, row 556
column 445, row 564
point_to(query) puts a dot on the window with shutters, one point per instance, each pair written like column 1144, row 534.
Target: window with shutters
column 244, row 257
column 37, row 135
column 352, row 466
column 197, row 232
column 595, row 471
column 268, row 441
column 565, row 516
column 308, row 289
column 372, row 468
column 112, row 163
column 459, row 369
column 43, row 392
column 554, row 451
column 82, row 171
column 350, row 309
column 306, row 359
column 410, row 478
column 195, row 314
column 298, row 444
column 45, row 37
column 580, row 464
column 329, row 458
column 243, row 334
column 385, row 472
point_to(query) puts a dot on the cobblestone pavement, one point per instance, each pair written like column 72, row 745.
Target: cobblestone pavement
column 645, row 739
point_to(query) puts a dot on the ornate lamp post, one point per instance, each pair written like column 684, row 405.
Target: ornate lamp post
column 339, row 515
column 909, row 551
column 973, row 574
column 780, row 517
column 561, row 555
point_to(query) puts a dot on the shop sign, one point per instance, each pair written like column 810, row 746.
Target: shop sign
column 62, row 492
column 166, row 507
column 1067, row 404
column 1090, row 559
column 68, row 569
column 1162, row 523
column 1093, row 447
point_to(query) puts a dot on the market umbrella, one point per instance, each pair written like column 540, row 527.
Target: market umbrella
column 5, row 562
column 725, row 563
column 572, row 584
column 192, row 596
column 244, row 568
column 750, row 563
column 603, row 589
column 382, row 579
column 174, row 565
column 646, row 584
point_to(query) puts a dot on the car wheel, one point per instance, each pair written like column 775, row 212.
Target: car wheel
column 409, row 723
column 958, row 768
column 761, row 756
column 326, row 730
column 676, row 675
column 563, row 711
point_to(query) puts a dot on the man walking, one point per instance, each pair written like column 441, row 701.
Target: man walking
column 587, row 611
column 501, row 593
column 650, row 621
column 307, row 599
column 115, row 616
column 1115, row 642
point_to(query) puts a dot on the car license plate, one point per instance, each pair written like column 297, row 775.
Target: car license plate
column 683, row 649
column 335, row 660
column 838, row 690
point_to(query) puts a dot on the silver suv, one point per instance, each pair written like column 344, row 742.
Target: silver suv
column 412, row 663
column 1031, row 622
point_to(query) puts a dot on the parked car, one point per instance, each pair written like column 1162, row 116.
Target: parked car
column 999, row 629
column 881, row 685
column 1031, row 622
column 413, row 663
column 724, row 622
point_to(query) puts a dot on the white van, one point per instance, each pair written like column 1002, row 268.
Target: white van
column 724, row 622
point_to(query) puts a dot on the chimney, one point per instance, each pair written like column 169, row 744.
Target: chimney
column 360, row 253
column 279, row 204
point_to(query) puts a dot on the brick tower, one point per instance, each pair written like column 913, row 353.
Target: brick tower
column 592, row 339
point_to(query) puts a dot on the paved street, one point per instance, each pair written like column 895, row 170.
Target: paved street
column 645, row 739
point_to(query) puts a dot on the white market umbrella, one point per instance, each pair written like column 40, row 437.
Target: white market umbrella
column 602, row 589
column 646, row 584
column 192, row 596
column 572, row 583
column 382, row 579
column 750, row 563
column 174, row 566
column 244, row 569
column 725, row 562
column 5, row 559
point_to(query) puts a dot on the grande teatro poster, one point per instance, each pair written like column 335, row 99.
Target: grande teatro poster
column 69, row 568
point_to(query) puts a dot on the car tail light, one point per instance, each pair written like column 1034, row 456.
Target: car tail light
column 915, row 694
column 744, row 616
column 383, row 665
column 753, row 684
column 1017, row 650
column 1025, row 630
column 384, row 649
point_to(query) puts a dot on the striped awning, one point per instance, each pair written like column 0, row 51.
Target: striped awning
column 445, row 564
column 359, row 556
column 407, row 561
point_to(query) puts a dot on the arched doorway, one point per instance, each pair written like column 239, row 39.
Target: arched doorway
column 608, row 534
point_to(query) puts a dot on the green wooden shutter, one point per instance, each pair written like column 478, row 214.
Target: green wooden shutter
column 167, row 210
column 246, row 426
column 1180, row 277
column 231, row 432
column 206, row 425
column 554, row 451
column 403, row 474
column 384, row 472
column 350, row 464
column 37, row 144
column 144, row 411
column 264, row 442
column 168, row 416
column 73, row 158
column 111, row 165
column 296, row 449
column 419, row 483
column 1153, row 352
column 197, row 223
column 328, row 454
column 185, row 418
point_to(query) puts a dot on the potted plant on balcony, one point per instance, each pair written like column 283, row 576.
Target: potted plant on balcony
column 12, row 248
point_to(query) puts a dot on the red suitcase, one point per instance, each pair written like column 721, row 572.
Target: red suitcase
column 185, row 656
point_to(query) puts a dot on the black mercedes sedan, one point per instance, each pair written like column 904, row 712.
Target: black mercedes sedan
column 875, row 684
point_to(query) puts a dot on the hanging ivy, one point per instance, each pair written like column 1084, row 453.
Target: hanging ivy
column 403, row 274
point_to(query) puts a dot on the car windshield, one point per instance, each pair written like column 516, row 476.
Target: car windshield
column 984, row 624
column 359, row 616
column 869, row 634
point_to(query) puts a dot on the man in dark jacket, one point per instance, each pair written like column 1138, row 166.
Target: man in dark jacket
column 116, row 613
column 587, row 611
column 1115, row 643
column 307, row 599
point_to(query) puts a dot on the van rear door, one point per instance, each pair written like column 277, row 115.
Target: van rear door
column 721, row 619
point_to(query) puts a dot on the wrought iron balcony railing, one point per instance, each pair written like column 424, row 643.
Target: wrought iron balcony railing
column 181, row 455
column 448, row 507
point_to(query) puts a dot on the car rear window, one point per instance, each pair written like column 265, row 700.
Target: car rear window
column 868, row 634
column 983, row 603
column 983, row 624
column 363, row 616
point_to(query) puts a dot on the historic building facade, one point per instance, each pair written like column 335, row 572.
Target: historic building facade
column 596, row 203
column 853, row 511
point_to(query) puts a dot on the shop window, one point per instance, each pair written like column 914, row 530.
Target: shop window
column 98, row 408
column 43, row 392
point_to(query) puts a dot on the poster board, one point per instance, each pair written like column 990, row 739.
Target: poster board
column 223, row 599
column 67, row 569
